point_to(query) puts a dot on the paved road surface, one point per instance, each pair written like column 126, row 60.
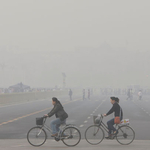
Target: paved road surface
column 17, row 119
column 51, row 145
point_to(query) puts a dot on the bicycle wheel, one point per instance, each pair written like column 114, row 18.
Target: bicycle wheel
column 94, row 135
column 36, row 136
column 71, row 136
column 125, row 135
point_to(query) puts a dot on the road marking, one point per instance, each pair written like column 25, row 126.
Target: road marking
column 85, row 121
column 53, row 141
column 89, row 117
column 101, row 103
column 18, row 146
column 9, row 121
column 141, row 108
column 8, row 105
column 98, row 106
column 25, row 116
column 91, row 114
column 81, row 126
column 32, row 101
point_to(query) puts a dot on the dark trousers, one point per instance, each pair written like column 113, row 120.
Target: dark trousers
column 111, row 127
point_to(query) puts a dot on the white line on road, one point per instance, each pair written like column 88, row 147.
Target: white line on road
column 142, row 108
column 89, row 117
column 81, row 126
column 27, row 115
column 15, row 146
column 85, row 121
column 22, row 103
column 53, row 141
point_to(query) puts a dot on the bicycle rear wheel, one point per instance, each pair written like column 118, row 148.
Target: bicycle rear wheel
column 71, row 136
column 36, row 136
column 94, row 135
column 125, row 135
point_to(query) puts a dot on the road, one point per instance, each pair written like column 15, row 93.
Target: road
column 17, row 119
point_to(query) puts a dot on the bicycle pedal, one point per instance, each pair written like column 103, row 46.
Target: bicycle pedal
column 57, row 139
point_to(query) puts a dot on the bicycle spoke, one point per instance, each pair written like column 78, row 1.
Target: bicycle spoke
column 71, row 136
column 36, row 136
column 94, row 135
column 125, row 135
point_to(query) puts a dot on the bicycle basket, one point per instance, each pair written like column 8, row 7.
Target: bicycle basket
column 39, row 121
column 96, row 119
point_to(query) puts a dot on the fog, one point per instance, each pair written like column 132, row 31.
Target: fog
column 95, row 43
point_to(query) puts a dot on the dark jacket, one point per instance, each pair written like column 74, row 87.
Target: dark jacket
column 116, row 109
column 59, row 112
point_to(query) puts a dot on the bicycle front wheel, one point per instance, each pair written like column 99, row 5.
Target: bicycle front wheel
column 71, row 136
column 125, row 135
column 94, row 135
column 36, row 136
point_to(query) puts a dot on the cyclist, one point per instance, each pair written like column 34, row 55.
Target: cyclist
column 116, row 109
column 60, row 114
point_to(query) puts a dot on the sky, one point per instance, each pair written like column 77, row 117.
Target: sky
column 41, row 39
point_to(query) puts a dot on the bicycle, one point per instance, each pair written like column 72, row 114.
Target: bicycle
column 68, row 134
column 95, row 134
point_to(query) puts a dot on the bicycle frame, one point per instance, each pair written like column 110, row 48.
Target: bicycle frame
column 44, row 126
column 103, row 125
column 97, row 131
column 47, row 128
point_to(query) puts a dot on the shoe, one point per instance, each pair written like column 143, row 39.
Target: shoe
column 115, row 133
column 54, row 135
column 108, row 137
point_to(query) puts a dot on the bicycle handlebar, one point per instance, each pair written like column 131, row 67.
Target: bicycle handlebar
column 44, row 117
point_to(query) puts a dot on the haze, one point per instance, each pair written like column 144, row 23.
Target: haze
column 95, row 42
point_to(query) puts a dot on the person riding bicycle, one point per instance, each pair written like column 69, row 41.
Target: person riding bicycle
column 116, row 109
column 60, row 114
